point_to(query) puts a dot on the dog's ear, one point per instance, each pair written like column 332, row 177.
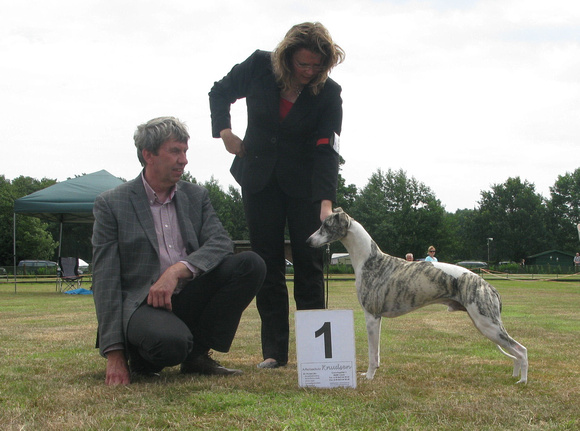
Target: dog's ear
column 344, row 218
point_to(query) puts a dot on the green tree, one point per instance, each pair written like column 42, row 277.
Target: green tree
column 229, row 209
column 401, row 214
column 514, row 215
column 33, row 241
column 345, row 194
column 6, row 220
column 23, row 186
column 564, row 211
column 186, row 176
column 238, row 227
column 228, row 206
column 462, row 238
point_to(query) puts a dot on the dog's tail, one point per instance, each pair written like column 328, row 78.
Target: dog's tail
column 506, row 353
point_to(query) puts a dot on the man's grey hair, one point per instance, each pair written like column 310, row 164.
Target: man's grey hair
column 152, row 134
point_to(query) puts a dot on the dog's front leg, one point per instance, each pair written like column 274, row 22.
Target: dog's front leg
column 374, row 338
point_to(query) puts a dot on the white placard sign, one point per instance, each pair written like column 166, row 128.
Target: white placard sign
column 325, row 348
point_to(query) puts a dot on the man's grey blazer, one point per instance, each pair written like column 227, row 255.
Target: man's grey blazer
column 126, row 251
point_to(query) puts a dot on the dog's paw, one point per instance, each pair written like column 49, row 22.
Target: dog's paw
column 370, row 374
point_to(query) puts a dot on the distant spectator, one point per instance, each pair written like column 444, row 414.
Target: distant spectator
column 431, row 255
column 409, row 257
column 577, row 261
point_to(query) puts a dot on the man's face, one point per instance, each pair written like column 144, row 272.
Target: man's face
column 166, row 167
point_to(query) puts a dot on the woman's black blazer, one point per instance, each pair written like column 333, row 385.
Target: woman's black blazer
column 288, row 148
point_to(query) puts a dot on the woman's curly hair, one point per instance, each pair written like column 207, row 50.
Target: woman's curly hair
column 314, row 37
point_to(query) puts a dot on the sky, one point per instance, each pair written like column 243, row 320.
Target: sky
column 461, row 95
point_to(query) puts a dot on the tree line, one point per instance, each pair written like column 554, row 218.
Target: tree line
column 401, row 214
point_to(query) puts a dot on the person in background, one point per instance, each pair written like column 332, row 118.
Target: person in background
column 287, row 165
column 577, row 262
column 167, row 286
column 431, row 255
column 409, row 257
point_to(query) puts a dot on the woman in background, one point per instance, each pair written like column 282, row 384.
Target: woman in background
column 431, row 255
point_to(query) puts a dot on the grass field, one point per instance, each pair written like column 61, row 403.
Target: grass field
column 437, row 372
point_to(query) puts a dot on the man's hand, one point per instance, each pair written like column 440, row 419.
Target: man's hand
column 160, row 293
column 117, row 372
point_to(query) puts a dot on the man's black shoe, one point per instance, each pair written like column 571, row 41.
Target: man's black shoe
column 204, row 364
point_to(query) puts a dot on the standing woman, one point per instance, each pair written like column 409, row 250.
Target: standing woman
column 287, row 165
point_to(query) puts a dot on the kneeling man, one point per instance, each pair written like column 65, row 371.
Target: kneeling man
column 167, row 286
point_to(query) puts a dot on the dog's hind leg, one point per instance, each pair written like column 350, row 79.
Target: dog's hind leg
column 374, row 339
column 519, row 354
column 494, row 330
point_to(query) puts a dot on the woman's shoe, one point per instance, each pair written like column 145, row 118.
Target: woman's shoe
column 269, row 364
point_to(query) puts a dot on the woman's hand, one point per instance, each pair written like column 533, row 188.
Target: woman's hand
column 325, row 209
column 233, row 143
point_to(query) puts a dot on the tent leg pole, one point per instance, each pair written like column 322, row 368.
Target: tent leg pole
column 60, row 239
column 14, row 249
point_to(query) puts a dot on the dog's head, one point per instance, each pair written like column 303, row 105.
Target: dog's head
column 334, row 228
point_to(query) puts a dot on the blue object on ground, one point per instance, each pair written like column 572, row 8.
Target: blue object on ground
column 80, row 291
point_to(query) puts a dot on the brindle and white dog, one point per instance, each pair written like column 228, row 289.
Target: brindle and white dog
column 389, row 286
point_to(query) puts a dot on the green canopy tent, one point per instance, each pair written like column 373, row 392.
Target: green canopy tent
column 69, row 201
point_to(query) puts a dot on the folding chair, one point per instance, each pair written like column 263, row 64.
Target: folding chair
column 69, row 277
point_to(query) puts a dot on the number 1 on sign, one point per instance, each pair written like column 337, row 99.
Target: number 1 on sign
column 325, row 329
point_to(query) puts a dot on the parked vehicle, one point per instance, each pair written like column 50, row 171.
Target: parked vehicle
column 30, row 267
column 471, row 264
